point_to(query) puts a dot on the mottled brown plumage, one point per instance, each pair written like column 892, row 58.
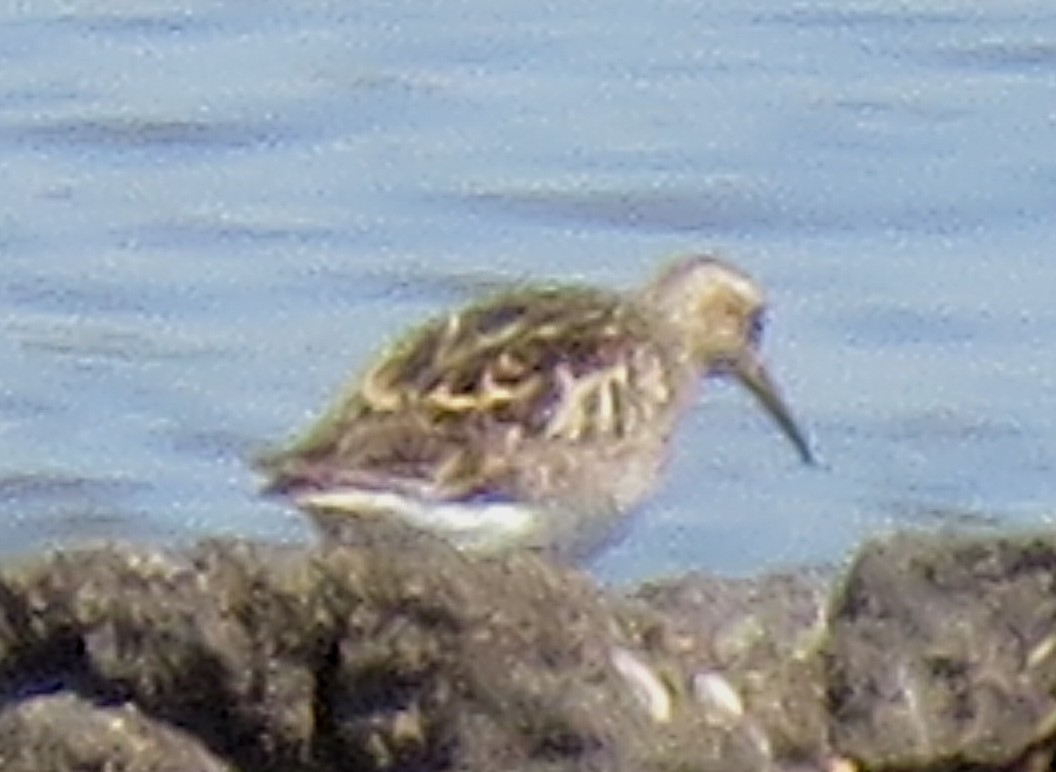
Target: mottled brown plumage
column 557, row 400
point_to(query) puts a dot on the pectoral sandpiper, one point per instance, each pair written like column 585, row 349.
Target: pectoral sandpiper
column 539, row 417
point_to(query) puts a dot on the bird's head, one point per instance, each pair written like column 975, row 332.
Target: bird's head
column 718, row 314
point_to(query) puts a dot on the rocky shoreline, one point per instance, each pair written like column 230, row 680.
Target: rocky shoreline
column 926, row 652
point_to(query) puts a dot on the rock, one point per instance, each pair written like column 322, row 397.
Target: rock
column 942, row 652
column 398, row 653
column 762, row 636
column 65, row 731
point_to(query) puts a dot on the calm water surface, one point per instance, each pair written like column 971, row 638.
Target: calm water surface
column 212, row 214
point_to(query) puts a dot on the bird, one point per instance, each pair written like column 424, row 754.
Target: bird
column 539, row 418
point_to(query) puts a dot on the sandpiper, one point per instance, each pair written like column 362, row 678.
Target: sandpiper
column 537, row 418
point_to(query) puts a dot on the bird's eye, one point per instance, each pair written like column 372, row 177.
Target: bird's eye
column 756, row 323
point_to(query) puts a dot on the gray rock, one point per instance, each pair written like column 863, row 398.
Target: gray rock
column 398, row 653
column 942, row 652
column 65, row 731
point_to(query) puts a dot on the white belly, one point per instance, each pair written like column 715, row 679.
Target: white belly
column 476, row 526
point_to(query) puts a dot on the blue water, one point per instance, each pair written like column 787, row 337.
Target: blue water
column 212, row 214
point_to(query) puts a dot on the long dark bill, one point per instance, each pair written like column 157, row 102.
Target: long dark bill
column 751, row 372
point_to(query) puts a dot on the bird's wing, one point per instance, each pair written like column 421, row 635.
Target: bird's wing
column 447, row 407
